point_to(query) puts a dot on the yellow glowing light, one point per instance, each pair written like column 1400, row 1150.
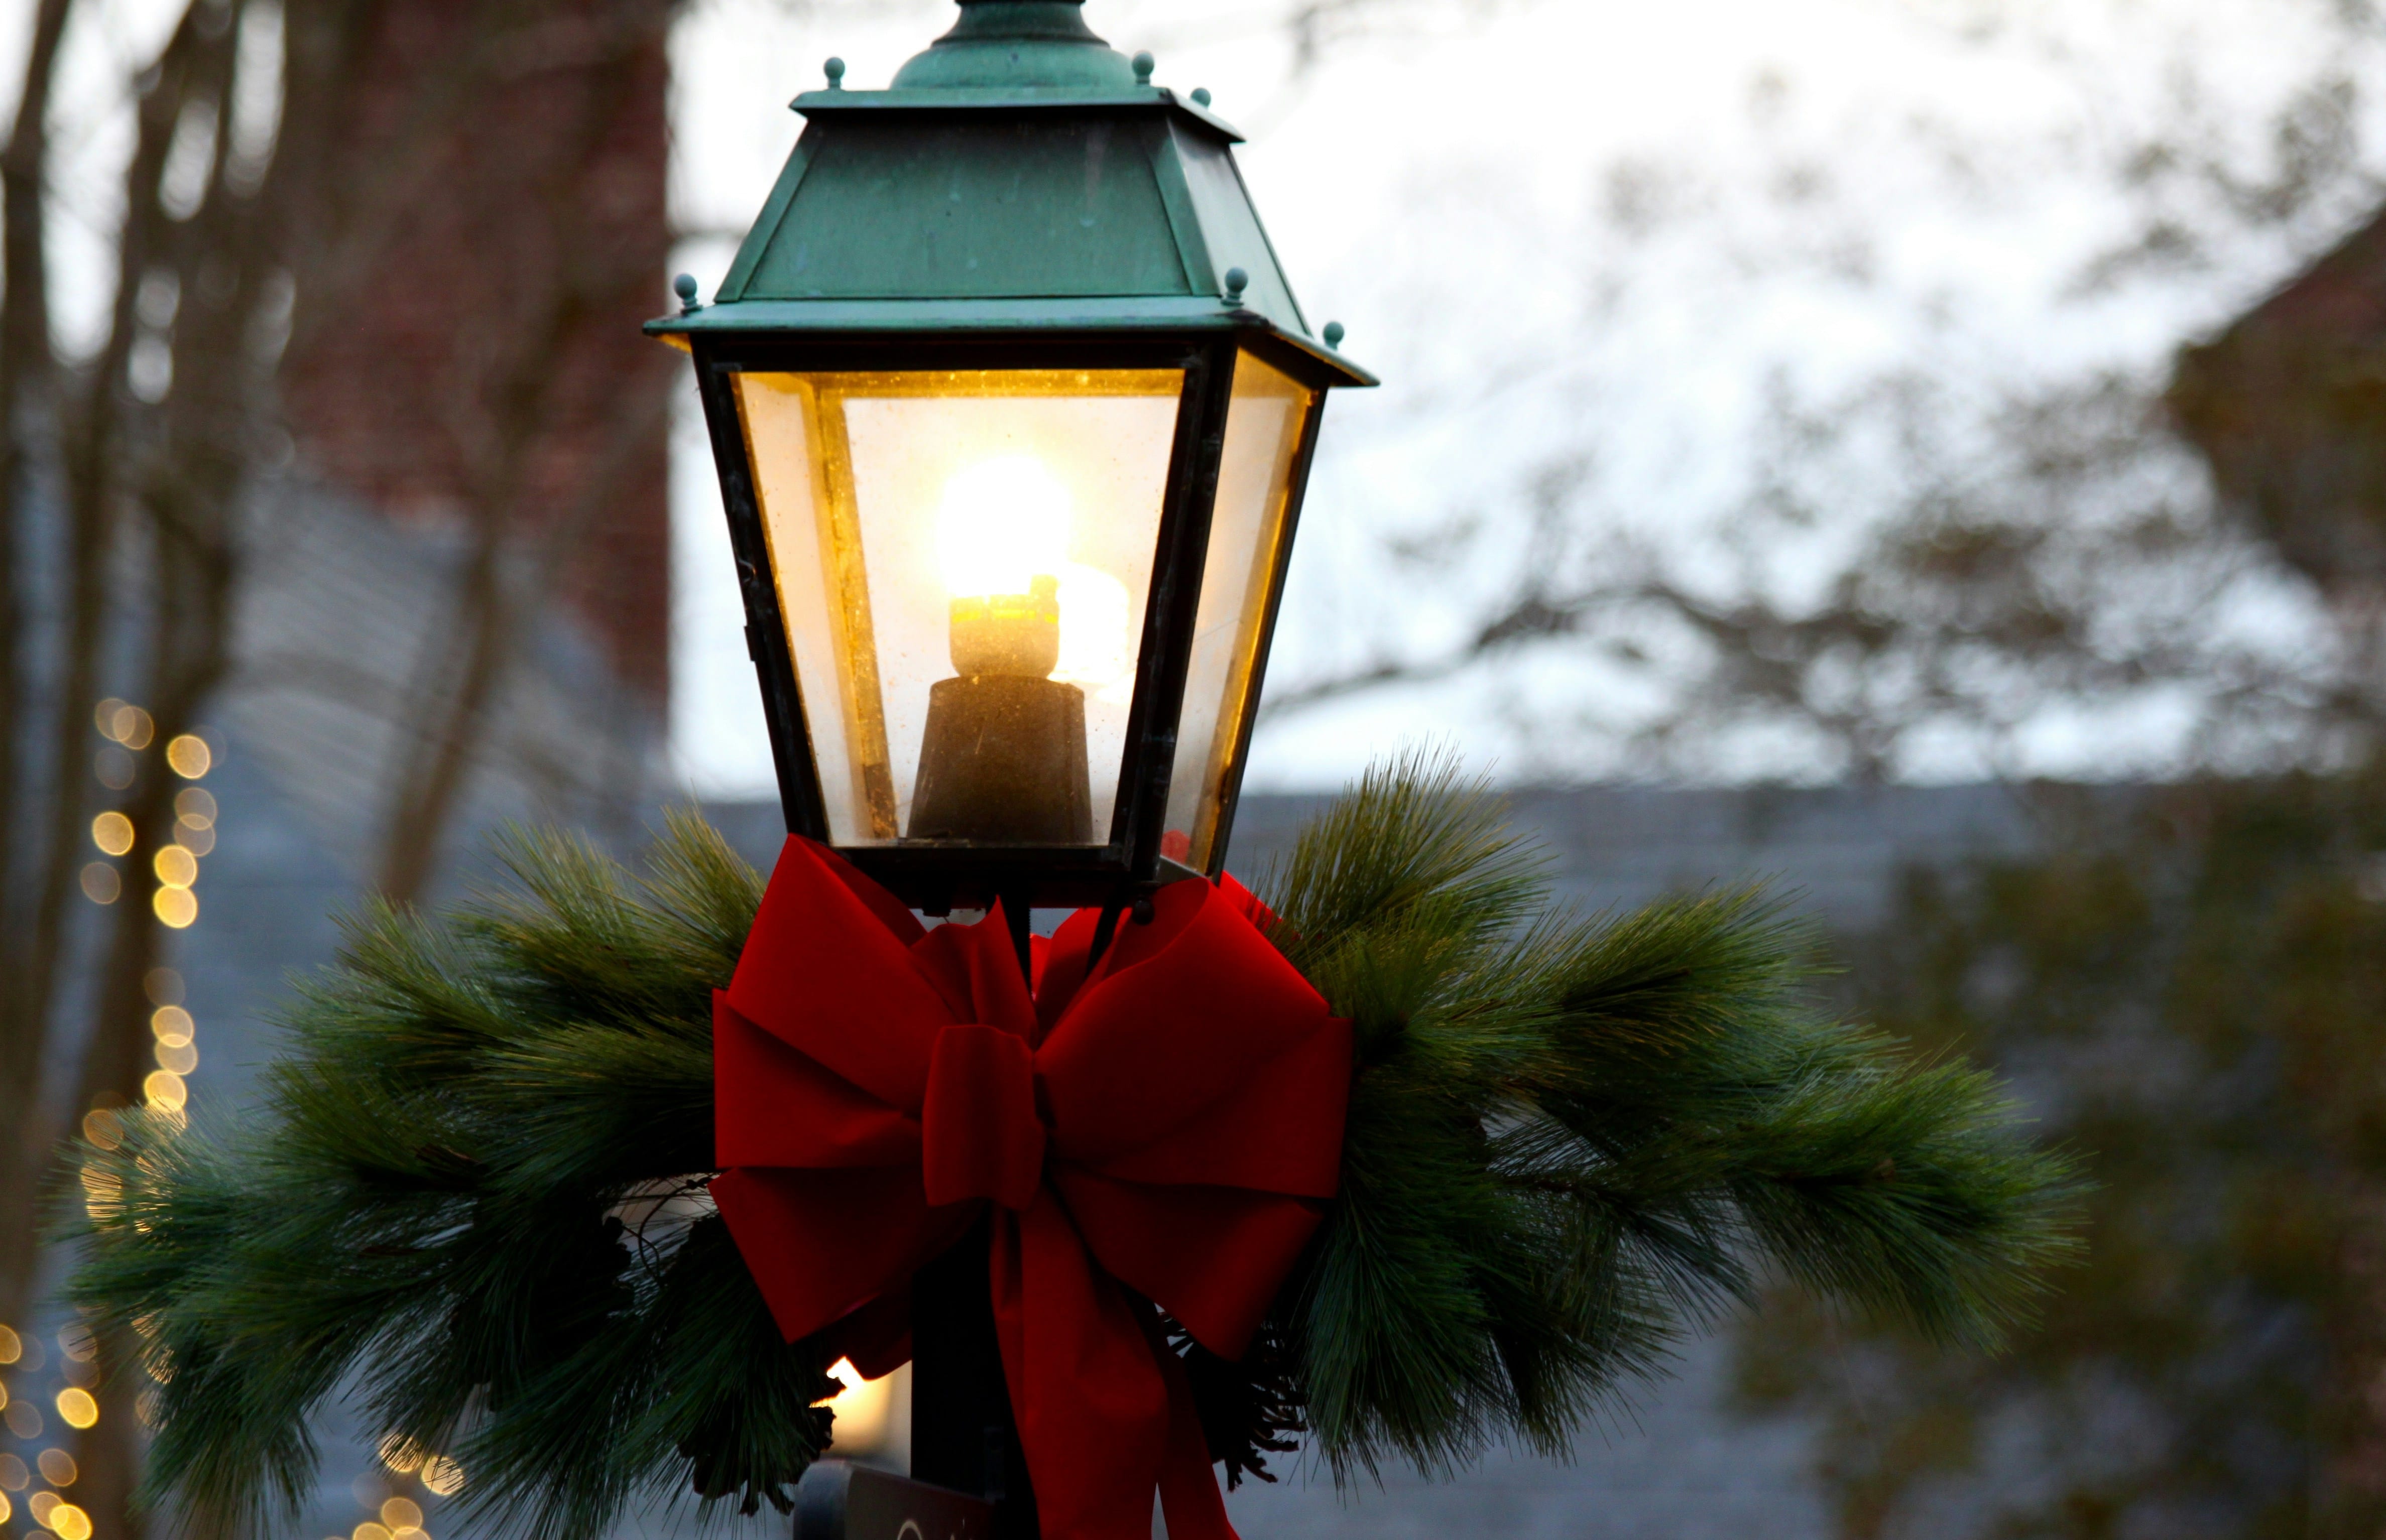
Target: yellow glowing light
column 369, row 1530
column 1004, row 524
column 860, row 1407
column 131, row 727
column 42, row 1505
column 4, row 1401
column 102, row 716
column 180, row 1058
column 402, row 1513
column 68, row 1523
column 410, row 1533
column 101, row 885
column 8, row 1510
column 102, row 1128
column 77, row 1407
column 177, row 908
column 196, row 807
column 190, row 756
column 399, row 1456
column 443, row 1476
column 57, row 1468
column 171, row 1025
column 1094, row 609
column 112, row 833
column 164, row 1088
column 176, row 867
column 12, row 1347
column 197, row 839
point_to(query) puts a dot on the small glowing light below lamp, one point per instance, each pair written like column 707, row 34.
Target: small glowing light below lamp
column 443, row 1476
column 177, row 908
column 101, row 885
column 8, row 1510
column 190, row 756
column 171, row 1025
column 176, row 867
column 860, row 1409
column 181, row 1058
column 402, row 1513
column 165, row 1088
column 104, row 1128
column 68, row 1523
column 77, row 1407
column 369, row 1530
column 12, row 1347
column 112, row 833
column 41, row 1505
column 57, row 1468
column 399, row 1456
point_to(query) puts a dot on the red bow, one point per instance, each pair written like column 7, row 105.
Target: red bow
column 1169, row 1120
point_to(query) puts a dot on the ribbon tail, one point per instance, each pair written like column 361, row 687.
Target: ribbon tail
column 1093, row 1407
column 1189, row 1497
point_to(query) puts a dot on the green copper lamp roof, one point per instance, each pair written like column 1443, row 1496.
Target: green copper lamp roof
column 1019, row 173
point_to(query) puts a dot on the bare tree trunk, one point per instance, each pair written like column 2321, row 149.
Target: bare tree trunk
column 500, row 427
column 26, row 371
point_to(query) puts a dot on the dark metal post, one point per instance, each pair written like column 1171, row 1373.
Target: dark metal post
column 962, row 1435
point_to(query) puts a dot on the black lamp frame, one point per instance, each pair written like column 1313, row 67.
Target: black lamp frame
column 937, row 876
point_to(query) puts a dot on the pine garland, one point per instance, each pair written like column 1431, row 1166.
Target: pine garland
column 474, row 1195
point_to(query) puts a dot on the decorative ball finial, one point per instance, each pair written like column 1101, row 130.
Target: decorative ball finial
column 1200, row 95
column 834, row 68
column 1333, row 333
column 1144, row 64
column 1236, row 281
column 684, row 287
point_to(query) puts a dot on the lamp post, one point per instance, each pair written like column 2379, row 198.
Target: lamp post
column 1014, row 411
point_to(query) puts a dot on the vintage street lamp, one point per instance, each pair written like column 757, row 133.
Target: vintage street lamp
column 1014, row 410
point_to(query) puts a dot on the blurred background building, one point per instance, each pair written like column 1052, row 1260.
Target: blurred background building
column 1926, row 454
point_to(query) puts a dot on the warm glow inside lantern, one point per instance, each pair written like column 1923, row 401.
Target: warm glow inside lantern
column 1013, row 502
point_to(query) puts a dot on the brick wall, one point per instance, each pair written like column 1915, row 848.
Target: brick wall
column 465, row 352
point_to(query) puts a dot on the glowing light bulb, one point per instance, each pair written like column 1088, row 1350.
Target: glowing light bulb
column 1003, row 523
column 1094, row 609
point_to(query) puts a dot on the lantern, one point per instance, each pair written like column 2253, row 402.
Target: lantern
column 1014, row 410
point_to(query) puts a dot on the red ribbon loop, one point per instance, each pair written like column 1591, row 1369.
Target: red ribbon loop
column 1167, row 1121
column 979, row 1136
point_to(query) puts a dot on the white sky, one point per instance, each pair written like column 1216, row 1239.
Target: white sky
column 1822, row 190
column 1831, row 188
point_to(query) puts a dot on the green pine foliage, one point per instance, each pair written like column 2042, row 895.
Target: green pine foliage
column 474, row 1197
column 469, row 1190
column 1573, row 1138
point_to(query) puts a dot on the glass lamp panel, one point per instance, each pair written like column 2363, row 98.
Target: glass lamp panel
column 1265, row 422
column 962, row 558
